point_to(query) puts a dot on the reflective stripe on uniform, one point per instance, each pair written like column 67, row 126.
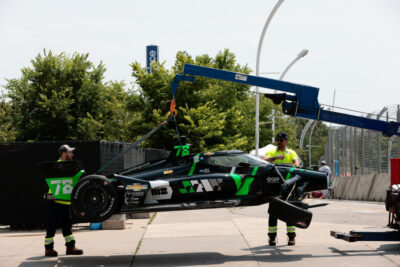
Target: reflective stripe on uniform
column 62, row 202
column 273, row 229
column 69, row 238
column 291, row 229
column 48, row 241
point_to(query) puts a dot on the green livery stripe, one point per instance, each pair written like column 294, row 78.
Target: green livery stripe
column 244, row 190
column 289, row 174
column 193, row 166
column 254, row 171
column 186, row 184
column 242, row 187
column 237, row 179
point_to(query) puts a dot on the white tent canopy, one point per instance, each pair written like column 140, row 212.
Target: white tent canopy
column 262, row 151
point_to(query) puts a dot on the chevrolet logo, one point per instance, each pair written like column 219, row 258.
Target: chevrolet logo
column 136, row 187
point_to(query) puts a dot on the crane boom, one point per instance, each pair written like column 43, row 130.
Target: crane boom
column 301, row 100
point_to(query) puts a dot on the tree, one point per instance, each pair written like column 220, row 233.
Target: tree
column 64, row 97
column 8, row 133
column 213, row 114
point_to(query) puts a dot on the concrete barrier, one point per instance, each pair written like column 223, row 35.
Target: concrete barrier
column 141, row 215
column 364, row 186
column 351, row 186
column 370, row 187
column 379, row 187
column 342, row 185
column 115, row 222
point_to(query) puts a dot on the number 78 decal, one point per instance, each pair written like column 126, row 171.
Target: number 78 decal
column 61, row 188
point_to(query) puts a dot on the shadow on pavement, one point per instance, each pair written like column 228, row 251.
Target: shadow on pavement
column 260, row 254
column 116, row 260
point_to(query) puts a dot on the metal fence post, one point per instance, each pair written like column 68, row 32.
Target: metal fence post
column 378, row 140
column 344, row 158
column 351, row 150
column 387, row 146
column 337, row 149
column 331, row 147
column 362, row 151
column 398, row 138
column 355, row 151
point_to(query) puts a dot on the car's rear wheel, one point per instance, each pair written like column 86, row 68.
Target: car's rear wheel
column 94, row 198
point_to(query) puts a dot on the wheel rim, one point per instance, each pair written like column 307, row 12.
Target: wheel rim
column 95, row 199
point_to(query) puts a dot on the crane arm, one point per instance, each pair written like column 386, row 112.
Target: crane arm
column 298, row 100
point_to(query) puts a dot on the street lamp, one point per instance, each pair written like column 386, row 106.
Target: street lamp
column 303, row 53
column 260, row 42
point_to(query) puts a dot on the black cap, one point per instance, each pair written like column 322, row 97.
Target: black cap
column 282, row 135
column 65, row 148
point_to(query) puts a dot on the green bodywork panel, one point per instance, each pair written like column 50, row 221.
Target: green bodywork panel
column 185, row 185
column 289, row 174
column 243, row 184
column 61, row 187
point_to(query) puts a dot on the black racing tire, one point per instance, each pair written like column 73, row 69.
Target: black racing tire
column 94, row 198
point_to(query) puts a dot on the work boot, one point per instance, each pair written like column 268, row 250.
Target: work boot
column 292, row 239
column 73, row 251
column 272, row 240
column 49, row 252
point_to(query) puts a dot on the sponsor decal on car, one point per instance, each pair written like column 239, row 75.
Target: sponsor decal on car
column 136, row 187
column 159, row 191
column 273, row 180
column 200, row 186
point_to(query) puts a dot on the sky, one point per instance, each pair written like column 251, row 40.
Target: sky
column 354, row 46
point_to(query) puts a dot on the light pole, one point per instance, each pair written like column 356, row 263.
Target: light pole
column 260, row 42
column 303, row 53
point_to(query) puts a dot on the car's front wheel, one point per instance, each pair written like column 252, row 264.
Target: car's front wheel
column 94, row 198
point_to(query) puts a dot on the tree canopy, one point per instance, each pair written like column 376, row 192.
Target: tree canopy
column 64, row 97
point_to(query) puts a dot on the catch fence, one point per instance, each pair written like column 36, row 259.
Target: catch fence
column 354, row 151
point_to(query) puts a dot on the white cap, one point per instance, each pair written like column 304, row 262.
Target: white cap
column 65, row 148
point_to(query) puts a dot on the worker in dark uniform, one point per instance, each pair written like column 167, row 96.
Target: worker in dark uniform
column 281, row 154
column 59, row 214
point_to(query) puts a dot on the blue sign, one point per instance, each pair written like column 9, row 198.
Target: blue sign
column 336, row 168
column 151, row 55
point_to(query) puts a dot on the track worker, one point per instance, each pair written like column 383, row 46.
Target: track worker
column 325, row 168
column 59, row 214
column 281, row 154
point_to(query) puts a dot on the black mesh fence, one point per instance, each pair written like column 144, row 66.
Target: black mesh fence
column 21, row 184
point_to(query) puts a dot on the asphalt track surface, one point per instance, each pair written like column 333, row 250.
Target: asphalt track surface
column 217, row 237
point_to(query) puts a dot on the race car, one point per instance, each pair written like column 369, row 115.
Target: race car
column 198, row 181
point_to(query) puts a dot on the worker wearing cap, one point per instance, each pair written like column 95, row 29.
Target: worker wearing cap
column 325, row 168
column 281, row 154
column 59, row 214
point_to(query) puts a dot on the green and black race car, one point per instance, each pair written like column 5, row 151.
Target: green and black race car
column 189, row 181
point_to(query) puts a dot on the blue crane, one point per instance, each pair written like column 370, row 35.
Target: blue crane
column 299, row 100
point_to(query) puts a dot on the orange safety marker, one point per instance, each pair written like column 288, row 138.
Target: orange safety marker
column 172, row 109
